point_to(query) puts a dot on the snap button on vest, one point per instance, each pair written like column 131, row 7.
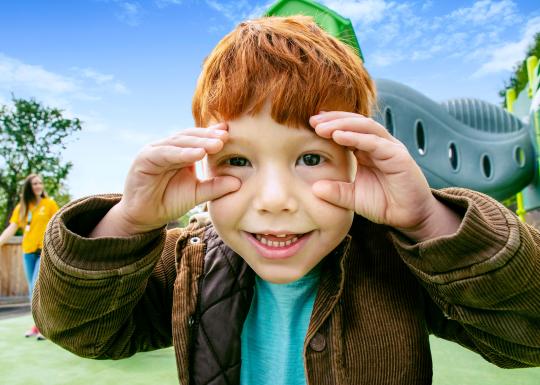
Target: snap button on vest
column 195, row 240
column 318, row 342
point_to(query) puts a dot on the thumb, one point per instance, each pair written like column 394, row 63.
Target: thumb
column 214, row 188
column 338, row 193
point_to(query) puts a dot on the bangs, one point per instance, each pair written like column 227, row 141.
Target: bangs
column 288, row 62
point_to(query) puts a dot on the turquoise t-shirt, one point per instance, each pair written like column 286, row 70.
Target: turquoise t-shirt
column 274, row 332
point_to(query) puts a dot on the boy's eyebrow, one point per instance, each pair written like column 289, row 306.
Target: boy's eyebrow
column 241, row 141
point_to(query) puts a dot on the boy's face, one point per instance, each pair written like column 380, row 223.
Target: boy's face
column 277, row 166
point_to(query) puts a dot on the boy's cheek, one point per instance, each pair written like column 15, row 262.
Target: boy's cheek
column 343, row 173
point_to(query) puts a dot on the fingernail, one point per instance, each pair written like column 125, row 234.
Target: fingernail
column 317, row 118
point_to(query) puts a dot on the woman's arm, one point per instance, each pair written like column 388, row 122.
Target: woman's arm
column 8, row 233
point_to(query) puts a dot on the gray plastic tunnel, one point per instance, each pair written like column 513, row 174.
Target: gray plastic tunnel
column 463, row 142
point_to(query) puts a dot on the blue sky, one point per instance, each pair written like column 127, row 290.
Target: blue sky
column 128, row 68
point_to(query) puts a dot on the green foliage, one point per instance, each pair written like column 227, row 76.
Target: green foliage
column 33, row 137
column 520, row 78
column 183, row 221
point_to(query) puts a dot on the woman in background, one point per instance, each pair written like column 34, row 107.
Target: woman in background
column 31, row 214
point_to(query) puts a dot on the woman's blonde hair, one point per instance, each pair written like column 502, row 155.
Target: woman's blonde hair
column 27, row 196
column 288, row 61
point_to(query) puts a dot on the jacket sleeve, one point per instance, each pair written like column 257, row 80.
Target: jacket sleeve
column 483, row 282
column 105, row 297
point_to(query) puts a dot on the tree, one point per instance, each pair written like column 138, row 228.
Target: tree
column 519, row 78
column 32, row 138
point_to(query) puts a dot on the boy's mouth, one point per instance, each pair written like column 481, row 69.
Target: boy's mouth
column 278, row 246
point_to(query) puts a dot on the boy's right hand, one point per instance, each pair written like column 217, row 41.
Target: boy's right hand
column 162, row 185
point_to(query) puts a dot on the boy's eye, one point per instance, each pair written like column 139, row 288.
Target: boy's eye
column 237, row 161
column 310, row 159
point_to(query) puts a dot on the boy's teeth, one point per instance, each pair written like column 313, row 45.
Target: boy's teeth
column 271, row 243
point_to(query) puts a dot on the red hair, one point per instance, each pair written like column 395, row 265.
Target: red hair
column 288, row 61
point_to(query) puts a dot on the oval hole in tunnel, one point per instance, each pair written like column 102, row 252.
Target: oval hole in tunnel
column 487, row 168
column 420, row 138
column 389, row 120
column 519, row 156
column 453, row 156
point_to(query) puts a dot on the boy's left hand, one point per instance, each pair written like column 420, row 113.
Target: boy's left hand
column 389, row 187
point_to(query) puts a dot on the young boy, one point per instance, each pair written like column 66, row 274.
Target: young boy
column 328, row 259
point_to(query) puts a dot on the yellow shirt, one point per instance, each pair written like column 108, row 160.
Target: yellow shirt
column 39, row 217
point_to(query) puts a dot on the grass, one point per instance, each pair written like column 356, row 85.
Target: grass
column 25, row 361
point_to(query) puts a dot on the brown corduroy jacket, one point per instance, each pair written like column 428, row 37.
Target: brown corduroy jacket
column 379, row 295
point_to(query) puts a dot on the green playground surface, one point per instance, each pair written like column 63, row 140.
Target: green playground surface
column 25, row 361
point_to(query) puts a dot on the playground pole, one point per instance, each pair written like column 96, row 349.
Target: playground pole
column 510, row 99
column 532, row 71
column 532, row 63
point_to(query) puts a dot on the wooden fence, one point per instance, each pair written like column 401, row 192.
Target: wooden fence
column 12, row 279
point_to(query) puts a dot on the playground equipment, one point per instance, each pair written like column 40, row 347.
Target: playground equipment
column 526, row 106
column 462, row 142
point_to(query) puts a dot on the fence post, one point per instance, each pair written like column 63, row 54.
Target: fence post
column 12, row 280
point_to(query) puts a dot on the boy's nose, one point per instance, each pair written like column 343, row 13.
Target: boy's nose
column 275, row 193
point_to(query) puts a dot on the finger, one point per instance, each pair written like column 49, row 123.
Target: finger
column 159, row 159
column 356, row 124
column 378, row 148
column 215, row 188
column 335, row 192
column 324, row 116
column 220, row 132
column 205, row 131
column 210, row 145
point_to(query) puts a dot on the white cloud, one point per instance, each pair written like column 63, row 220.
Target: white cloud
column 239, row 10
column 130, row 13
column 165, row 3
column 52, row 88
column 119, row 88
column 504, row 56
column 359, row 11
column 384, row 59
column 92, row 122
column 427, row 5
column 14, row 72
column 103, row 81
column 486, row 11
column 94, row 75
column 410, row 33
column 136, row 137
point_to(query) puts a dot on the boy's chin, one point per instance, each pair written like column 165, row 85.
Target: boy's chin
column 280, row 275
